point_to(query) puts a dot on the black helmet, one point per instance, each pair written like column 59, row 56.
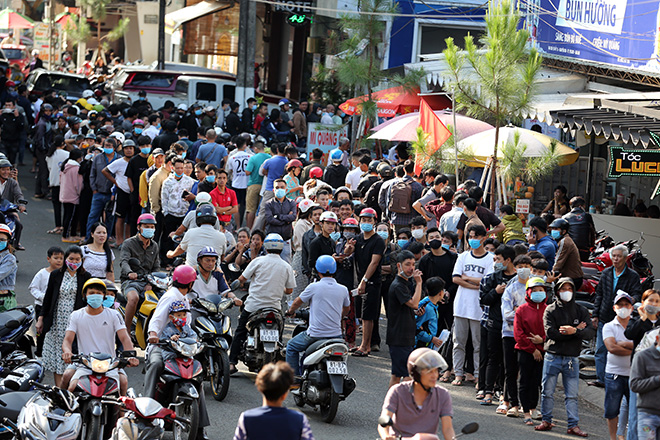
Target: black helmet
column 205, row 215
column 373, row 166
column 385, row 170
column 560, row 223
column 226, row 137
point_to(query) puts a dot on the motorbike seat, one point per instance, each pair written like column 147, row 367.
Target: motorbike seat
column 11, row 315
column 322, row 343
column 15, row 401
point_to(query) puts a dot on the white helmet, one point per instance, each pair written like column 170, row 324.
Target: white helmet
column 329, row 216
column 305, row 204
column 274, row 242
column 87, row 94
column 119, row 136
column 203, row 198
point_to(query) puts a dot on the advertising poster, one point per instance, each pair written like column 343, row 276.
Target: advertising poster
column 325, row 137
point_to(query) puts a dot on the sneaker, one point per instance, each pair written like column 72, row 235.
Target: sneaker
column 375, row 348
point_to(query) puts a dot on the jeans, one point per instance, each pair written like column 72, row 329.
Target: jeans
column 298, row 345
column 240, row 335
column 601, row 354
column 648, row 426
column 623, row 417
column 569, row 368
column 632, row 416
column 99, row 200
column 616, row 388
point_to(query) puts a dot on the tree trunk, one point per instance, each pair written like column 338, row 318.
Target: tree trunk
column 493, row 175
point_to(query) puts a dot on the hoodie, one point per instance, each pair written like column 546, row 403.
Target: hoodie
column 562, row 313
column 512, row 229
column 529, row 319
column 512, row 298
column 71, row 183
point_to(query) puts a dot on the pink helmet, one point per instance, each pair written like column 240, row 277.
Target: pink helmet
column 184, row 274
column 146, row 219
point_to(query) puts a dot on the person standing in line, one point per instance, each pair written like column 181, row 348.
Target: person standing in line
column 71, row 183
column 115, row 172
column 55, row 158
column 645, row 381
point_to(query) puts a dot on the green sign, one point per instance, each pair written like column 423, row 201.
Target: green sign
column 634, row 162
column 300, row 19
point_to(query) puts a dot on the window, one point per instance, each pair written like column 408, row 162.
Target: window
column 15, row 54
column 205, row 92
column 152, row 80
column 181, row 86
column 228, row 92
column 68, row 84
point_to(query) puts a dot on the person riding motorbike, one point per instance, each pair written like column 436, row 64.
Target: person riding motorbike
column 201, row 236
column 272, row 277
column 142, row 247
column 430, row 403
column 183, row 279
column 210, row 280
column 328, row 302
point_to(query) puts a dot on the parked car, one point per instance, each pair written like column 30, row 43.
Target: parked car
column 67, row 84
column 16, row 53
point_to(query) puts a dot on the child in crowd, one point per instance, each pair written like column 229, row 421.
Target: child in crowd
column 427, row 324
column 178, row 326
column 513, row 227
column 55, row 258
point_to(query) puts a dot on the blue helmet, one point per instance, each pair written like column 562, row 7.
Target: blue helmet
column 326, row 265
column 336, row 154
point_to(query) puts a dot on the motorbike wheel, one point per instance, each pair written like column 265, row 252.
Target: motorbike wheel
column 298, row 399
column 269, row 357
column 587, row 372
column 189, row 411
column 93, row 428
column 329, row 410
column 220, row 381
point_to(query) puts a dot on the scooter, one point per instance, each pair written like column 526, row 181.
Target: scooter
column 325, row 380
column 14, row 327
column 94, row 388
column 17, row 371
column 470, row 428
column 11, row 405
column 587, row 358
column 214, row 329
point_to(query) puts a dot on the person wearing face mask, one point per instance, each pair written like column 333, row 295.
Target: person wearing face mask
column 136, row 166
column 175, row 198
column 617, row 371
column 280, row 213
column 63, row 296
column 71, row 183
column 95, row 328
column 101, row 185
column 645, row 382
column 418, row 229
column 8, row 269
column 325, row 243
column 567, row 262
column 566, row 325
column 345, row 275
column 42, row 139
column 115, row 172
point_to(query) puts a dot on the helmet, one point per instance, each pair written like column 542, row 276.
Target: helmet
column 368, row 212
column 4, row 229
column 129, row 143
column 184, row 274
column 373, row 166
column 560, row 223
column 423, row 359
column 274, row 242
column 205, row 215
column 283, row 101
column 385, row 170
column 94, row 282
column 4, row 163
column 138, row 122
column 305, row 205
column 315, row 173
column 119, row 136
column 329, row 216
column 110, row 286
column 207, row 251
column 226, row 137
column 536, row 281
column 146, row 219
column 203, row 198
column 87, row 93
column 179, row 306
column 326, row 265
column 336, row 155
column 350, row 222
column 294, row 163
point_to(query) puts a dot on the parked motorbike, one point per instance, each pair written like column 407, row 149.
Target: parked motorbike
column 17, row 371
column 7, row 208
column 11, row 405
column 14, row 327
column 214, row 329
column 99, row 417
column 587, row 357
column 180, row 383
column 325, row 380
column 49, row 414
column 470, row 428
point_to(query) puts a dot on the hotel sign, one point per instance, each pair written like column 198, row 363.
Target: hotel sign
column 634, row 162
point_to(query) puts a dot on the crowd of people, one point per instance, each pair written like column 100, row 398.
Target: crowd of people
column 344, row 232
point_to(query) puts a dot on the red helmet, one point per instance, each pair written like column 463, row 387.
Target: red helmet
column 184, row 274
column 146, row 219
column 350, row 222
column 4, row 229
column 294, row 163
column 315, row 173
column 368, row 212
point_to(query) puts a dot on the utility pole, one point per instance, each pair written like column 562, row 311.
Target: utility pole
column 51, row 43
column 161, row 34
column 246, row 43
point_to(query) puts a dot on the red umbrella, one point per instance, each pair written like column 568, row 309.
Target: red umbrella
column 404, row 128
column 395, row 101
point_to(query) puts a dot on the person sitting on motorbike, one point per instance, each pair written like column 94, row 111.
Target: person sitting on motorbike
column 142, row 247
column 430, row 403
column 183, row 279
column 271, row 278
column 210, row 280
column 328, row 302
column 201, row 236
column 94, row 328
column 189, row 221
column 178, row 327
column 11, row 191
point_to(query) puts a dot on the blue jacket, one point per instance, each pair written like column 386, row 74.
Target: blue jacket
column 548, row 247
column 427, row 324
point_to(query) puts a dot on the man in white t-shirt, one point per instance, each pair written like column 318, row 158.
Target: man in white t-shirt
column 471, row 266
column 361, row 164
column 203, row 235
column 94, row 328
column 236, row 165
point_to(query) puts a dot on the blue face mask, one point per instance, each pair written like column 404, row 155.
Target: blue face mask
column 198, row 112
column 402, row 243
column 183, row 155
column 498, row 267
column 366, row 227
column 158, row 126
column 210, row 179
column 95, row 300
column 138, row 130
column 445, row 246
column 537, row 297
column 178, row 176
column 555, row 234
column 109, row 302
column 280, row 193
column 108, row 150
column 142, row 98
column 148, row 232
column 3, row 245
column 383, row 234
column 146, row 150
column 474, row 243
column 334, row 236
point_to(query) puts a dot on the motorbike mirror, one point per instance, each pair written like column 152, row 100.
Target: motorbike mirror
column 234, row 267
column 235, row 285
column 470, row 428
column 129, row 353
column 386, row 421
column 12, row 324
column 134, row 263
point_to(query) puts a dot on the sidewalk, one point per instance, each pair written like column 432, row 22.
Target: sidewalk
column 593, row 395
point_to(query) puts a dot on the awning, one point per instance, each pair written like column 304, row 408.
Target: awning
column 175, row 19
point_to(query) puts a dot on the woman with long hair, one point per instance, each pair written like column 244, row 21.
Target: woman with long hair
column 97, row 255
column 55, row 157
column 302, row 225
column 8, row 269
column 71, row 185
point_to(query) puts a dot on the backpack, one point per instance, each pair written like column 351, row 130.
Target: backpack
column 400, row 197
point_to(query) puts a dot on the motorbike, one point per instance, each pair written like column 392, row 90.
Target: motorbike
column 14, row 326
column 214, row 329
column 94, row 388
column 144, row 418
column 17, row 371
column 180, row 383
column 6, row 208
column 470, row 428
column 587, row 357
column 325, row 380
column 49, row 414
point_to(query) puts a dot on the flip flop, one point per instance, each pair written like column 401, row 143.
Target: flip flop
column 486, row 402
column 480, row 395
column 359, row 353
column 528, row 422
column 457, row 382
column 444, row 379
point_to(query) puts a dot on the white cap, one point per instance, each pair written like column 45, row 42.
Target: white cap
column 218, row 130
column 92, row 101
column 209, row 108
column 202, row 198
column 183, row 107
column 87, row 94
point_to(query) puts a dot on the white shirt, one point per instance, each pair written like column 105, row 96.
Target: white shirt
column 353, row 178
column 118, row 168
column 326, row 119
column 616, row 364
column 170, row 195
column 202, row 289
column 326, row 300
column 161, row 315
column 38, row 286
column 197, row 238
column 54, row 163
column 270, row 275
column 466, row 304
column 151, row 131
column 96, row 333
column 236, row 164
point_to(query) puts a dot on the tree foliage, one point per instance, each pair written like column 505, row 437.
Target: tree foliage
column 79, row 30
column 530, row 169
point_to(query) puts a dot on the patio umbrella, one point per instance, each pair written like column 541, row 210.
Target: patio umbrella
column 404, row 128
column 395, row 100
column 480, row 145
column 10, row 19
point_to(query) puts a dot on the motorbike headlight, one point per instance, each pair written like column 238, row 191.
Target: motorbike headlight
column 209, row 306
column 188, row 350
column 100, row 366
column 225, row 304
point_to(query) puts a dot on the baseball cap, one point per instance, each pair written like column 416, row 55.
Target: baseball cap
column 620, row 294
column 157, row 152
column 182, row 106
column 209, row 108
column 283, row 101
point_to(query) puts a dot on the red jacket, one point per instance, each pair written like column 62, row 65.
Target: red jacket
column 528, row 320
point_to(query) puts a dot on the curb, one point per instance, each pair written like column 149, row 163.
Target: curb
column 593, row 395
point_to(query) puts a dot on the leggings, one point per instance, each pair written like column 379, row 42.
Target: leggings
column 57, row 205
column 531, row 373
column 70, row 220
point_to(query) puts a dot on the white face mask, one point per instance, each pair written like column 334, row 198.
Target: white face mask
column 623, row 312
column 566, row 295
column 417, row 233
column 523, row 272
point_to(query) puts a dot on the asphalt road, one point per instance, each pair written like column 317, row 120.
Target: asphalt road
column 356, row 418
